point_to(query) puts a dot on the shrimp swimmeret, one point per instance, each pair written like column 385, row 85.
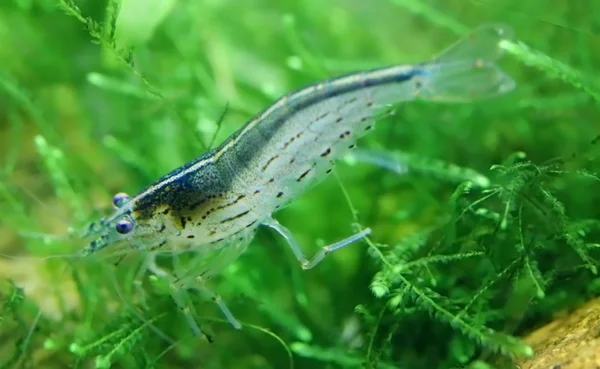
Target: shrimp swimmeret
column 214, row 205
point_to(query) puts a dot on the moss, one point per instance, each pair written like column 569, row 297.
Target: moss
column 485, row 227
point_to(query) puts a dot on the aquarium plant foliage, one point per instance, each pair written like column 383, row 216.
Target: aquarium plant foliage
column 485, row 222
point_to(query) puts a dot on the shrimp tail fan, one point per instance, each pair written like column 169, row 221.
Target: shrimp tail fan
column 467, row 70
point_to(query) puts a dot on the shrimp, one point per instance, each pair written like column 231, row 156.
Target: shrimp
column 215, row 204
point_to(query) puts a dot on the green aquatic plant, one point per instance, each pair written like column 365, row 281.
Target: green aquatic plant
column 501, row 238
column 490, row 229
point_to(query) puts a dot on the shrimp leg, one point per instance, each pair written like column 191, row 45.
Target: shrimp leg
column 200, row 286
column 382, row 159
column 326, row 250
column 198, row 283
column 176, row 294
column 137, row 282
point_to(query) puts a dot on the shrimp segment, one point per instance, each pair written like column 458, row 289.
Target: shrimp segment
column 214, row 205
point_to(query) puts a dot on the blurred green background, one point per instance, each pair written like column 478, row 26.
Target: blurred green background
column 98, row 97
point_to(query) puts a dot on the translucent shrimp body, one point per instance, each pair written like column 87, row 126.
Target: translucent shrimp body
column 214, row 204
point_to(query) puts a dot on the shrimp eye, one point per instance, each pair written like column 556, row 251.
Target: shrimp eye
column 120, row 199
column 124, row 226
